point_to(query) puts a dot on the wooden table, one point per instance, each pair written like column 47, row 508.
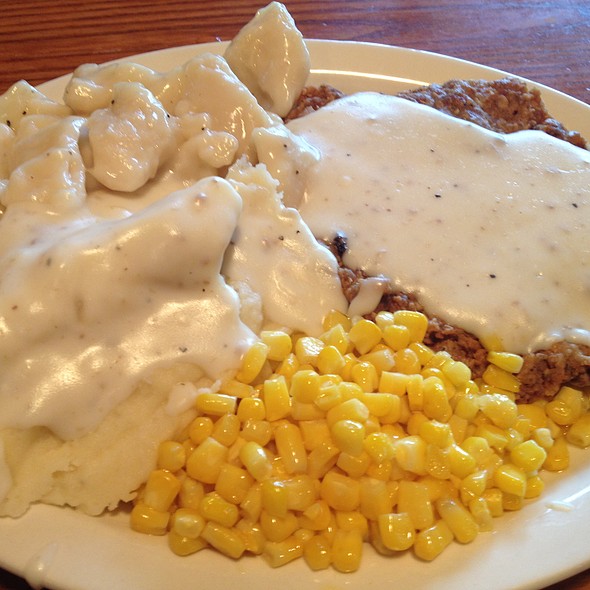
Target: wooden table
column 545, row 40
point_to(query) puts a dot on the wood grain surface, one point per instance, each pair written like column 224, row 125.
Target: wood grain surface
column 546, row 41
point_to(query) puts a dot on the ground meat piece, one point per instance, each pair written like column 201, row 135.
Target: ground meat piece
column 311, row 99
column 461, row 345
column 545, row 371
column 504, row 106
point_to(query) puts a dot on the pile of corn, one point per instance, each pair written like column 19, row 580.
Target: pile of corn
column 361, row 435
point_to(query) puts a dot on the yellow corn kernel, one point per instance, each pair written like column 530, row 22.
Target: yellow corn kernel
column 478, row 448
column 383, row 405
column 558, row 457
column 467, row 406
column 236, row 388
column 473, row 486
column 279, row 344
column 171, row 456
column 512, row 502
column 251, row 505
column 415, row 391
column 457, row 372
column 410, row 454
column 337, row 337
column 226, row 429
column 375, row 497
column 423, row 352
column 317, row 553
column 214, row 507
column 365, row 375
column 501, row 410
column 304, row 386
column 414, row 499
column 255, row 460
column 481, row 514
column 148, row 520
column 579, row 432
column 431, row 542
column 251, row 408
column 205, row 462
column 393, row 383
column 216, row 404
column 187, row 522
column 566, row 407
column 416, row 322
column 259, row 431
column 307, row 349
column 348, row 436
column 414, row 423
column 347, row 548
column 184, row 545
column 380, row 447
column 528, row 455
column 353, row 521
column 160, row 490
column 497, row 377
column 330, row 360
column 354, row 465
column 543, row 437
column 437, row 462
column 252, row 536
column 340, row 491
column 458, row 428
column 397, row 337
column 321, row 459
column 301, row 411
column 278, row 528
column 512, row 363
column 226, row 540
column 351, row 409
column 252, row 362
column 510, row 479
column 200, row 428
column 458, row 518
column 288, row 367
column 302, row 492
column 381, row 358
column 534, row 487
column 233, row 483
column 277, row 401
column 436, row 433
column 396, row 530
column 191, row 493
column 364, row 335
column 314, row 433
column 317, row 516
column 496, row 437
column 534, row 413
column 280, row 553
column 407, row 361
column 435, row 404
column 336, row 318
column 274, row 498
column 461, row 463
column 291, row 448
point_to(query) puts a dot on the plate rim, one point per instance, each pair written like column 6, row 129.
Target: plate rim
column 33, row 566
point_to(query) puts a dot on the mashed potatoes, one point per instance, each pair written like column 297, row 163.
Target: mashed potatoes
column 130, row 265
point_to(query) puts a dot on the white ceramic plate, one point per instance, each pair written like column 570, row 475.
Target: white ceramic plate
column 545, row 542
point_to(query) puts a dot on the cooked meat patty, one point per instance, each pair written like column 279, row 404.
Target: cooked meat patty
column 504, row 106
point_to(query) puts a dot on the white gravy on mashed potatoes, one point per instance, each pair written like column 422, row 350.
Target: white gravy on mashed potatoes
column 490, row 231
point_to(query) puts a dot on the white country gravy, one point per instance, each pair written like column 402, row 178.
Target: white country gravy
column 490, row 231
